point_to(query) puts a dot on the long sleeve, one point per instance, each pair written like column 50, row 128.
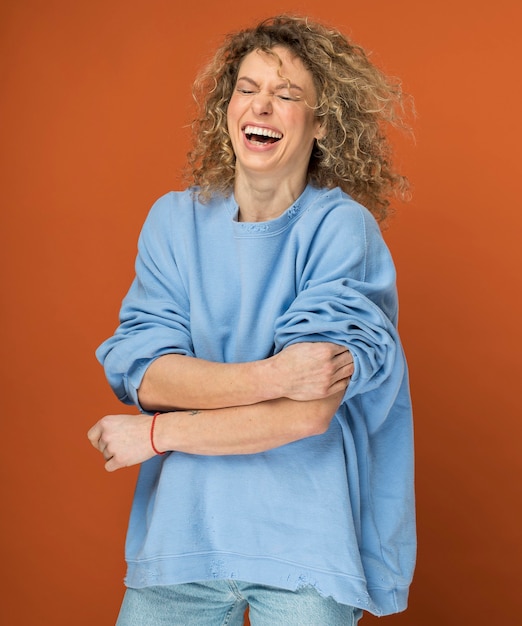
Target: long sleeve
column 347, row 295
column 154, row 317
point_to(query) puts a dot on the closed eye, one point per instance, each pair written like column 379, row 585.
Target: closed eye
column 288, row 98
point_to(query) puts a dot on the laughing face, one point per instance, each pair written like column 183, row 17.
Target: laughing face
column 270, row 117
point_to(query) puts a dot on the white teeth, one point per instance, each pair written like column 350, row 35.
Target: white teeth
column 265, row 132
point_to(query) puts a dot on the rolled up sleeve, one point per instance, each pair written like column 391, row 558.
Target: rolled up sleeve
column 154, row 316
column 347, row 295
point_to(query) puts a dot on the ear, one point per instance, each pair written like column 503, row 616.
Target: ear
column 320, row 132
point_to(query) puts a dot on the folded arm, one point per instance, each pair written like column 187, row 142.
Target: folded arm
column 124, row 440
column 303, row 371
column 242, row 408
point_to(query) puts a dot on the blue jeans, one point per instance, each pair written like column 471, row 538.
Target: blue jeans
column 223, row 603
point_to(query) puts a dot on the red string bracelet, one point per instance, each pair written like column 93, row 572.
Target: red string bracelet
column 152, row 434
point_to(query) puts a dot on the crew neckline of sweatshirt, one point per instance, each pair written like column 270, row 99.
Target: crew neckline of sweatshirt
column 270, row 227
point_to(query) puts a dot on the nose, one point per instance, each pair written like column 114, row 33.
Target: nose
column 262, row 104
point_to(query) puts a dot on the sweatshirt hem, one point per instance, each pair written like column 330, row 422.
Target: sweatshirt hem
column 344, row 588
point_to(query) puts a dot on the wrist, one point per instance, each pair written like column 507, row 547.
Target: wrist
column 155, row 434
column 270, row 379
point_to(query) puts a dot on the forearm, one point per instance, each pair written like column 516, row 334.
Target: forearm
column 245, row 429
column 175, row 381
column 302, row 371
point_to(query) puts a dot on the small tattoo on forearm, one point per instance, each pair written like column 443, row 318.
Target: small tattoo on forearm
column 193, row 412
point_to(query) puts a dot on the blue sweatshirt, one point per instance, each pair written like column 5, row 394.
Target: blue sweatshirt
column 335, row 511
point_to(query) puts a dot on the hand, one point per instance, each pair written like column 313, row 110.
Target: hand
column 313, row 371
column 123, row 440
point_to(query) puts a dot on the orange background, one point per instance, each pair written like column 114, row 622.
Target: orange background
column 95, row 98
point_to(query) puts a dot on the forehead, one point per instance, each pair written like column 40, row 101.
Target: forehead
column 280, row 62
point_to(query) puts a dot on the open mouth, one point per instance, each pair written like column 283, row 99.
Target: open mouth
column 261, row 136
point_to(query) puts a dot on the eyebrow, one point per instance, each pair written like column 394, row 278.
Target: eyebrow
column 285, row 85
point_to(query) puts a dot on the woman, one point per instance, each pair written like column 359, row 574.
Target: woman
column 260, row 331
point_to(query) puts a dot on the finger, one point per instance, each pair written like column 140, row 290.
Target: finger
column 337, row 350
column 344, row 358
column 343, row 371
column 349, row 368
column 94, row 435
column 340, row 385
column 112, row 465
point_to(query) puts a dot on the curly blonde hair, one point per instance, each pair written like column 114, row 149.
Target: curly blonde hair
column 355, row 103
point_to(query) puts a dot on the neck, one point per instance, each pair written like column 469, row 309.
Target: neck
column 261, row 200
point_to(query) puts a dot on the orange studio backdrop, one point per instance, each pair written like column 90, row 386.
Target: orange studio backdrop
column 94, row 107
